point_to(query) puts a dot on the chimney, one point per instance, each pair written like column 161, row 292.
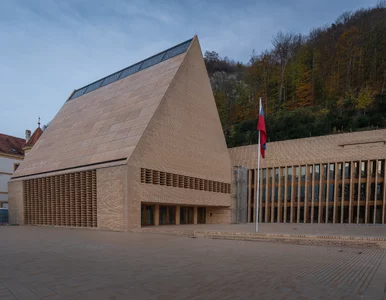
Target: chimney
column 27, row 135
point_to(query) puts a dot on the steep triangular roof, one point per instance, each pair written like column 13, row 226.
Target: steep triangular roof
column 103, row 121
column 185, row 135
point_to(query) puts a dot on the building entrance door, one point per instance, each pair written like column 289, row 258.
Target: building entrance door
column 147, row 214
column 186, row 215
column 201, row 215
column 167, row 215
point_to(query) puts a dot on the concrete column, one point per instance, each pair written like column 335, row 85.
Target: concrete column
column 293, row 193
column 273, row 195
column 305, row 210
column 249, row 195
column 343, row 184
column 321, row 175
column 279, row 196
column 350, row 211
column 375, row 192
column 368, row 185
column 156, row 215
column 260, row 194
column 178, row 211
column 285, row 194
column 334, row 210
column 328, row 191
column 299, row 190
column 313, row 193
column 384, row 195
column 359, row 190
column 267, row 193
column 254, row 197
column 195, row 215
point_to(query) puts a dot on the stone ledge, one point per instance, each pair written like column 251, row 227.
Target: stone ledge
column 300, row 239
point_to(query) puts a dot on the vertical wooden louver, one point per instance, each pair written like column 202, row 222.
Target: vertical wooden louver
column 61, row 200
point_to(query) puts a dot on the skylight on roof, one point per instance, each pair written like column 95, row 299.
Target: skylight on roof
column 147, row 63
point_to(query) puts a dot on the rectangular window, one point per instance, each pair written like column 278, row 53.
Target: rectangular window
column 303, row 173
column 310, row 174
column 363, row 169
column 379, row 191
column 355, row 192
column 324, row 193
column 340, row 171
column 282, row 175
column 325, row 170
column 276, row 193
column 264, row 176
column 356, row 169
column 373, row 167
column 331, row 192
column 289, row 174
column 381, row 168
column 302, row 193
column 363, row 191
column 296, row 174
column 372, row 191
column 317, row 172
column 347, row 170
column 347, row 192
column 332, row 171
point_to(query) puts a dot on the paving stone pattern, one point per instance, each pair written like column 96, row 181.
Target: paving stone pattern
column 59, row 263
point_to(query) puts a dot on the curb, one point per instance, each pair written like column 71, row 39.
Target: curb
column 299, row 239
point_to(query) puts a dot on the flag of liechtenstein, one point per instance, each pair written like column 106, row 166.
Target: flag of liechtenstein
column 263, row 132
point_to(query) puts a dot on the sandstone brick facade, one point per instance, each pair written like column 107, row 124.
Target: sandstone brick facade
column 15, row 202
column 163, row 118
column 338, row 178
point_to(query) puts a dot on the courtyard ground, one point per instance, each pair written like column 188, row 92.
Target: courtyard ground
column 59, row 263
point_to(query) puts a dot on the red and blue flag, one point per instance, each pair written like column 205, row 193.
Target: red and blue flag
column 263, row 132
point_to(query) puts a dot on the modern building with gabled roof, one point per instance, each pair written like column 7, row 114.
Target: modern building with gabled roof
column 143, row 146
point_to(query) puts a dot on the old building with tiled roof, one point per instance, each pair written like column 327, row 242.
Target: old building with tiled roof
column 11, row 154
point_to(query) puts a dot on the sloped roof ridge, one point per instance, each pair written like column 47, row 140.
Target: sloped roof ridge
column 139, row 66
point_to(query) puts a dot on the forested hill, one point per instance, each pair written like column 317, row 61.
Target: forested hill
column 332, row 80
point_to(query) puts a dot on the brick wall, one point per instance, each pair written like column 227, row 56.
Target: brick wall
column 216, row 215
column 15, row 202
column 111, row 191
column 184, row 137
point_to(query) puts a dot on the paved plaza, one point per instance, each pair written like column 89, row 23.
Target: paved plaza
column 59, row 263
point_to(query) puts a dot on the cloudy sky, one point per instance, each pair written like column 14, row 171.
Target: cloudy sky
column 49, row 48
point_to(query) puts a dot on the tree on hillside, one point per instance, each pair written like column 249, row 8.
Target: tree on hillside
column 332, row 80
column 284, row 45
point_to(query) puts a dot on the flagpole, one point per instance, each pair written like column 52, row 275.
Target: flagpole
column 258, row 177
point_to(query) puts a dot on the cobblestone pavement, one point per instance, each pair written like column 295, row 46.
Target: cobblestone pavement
column 58, row 263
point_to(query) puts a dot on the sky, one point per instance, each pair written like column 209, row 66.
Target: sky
column 48, row 48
